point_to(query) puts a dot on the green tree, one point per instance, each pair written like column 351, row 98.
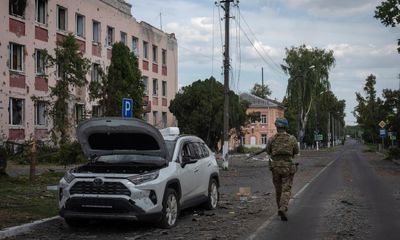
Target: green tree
column 392, row 107
column 389, row 14
column 199, row 110
column 261, row 91
column 308, row 71
column 123, row 80
column 369, row 111
column 73, row 68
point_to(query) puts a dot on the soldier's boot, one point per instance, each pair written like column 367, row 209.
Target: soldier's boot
column 282, row 214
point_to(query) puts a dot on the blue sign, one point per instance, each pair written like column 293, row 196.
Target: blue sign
column 382, row 132
column 127, row 108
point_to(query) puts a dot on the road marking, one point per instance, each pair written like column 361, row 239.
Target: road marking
column 13, row 231
column 269, row 220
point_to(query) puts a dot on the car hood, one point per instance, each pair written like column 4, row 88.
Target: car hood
column 107, row 136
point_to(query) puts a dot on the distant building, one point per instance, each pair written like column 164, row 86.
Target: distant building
column 256, row 134
column 27, row 30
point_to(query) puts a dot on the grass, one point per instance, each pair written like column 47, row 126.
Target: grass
column 23, row 201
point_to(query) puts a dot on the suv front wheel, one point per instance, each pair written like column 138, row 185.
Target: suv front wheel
column 170, row 209
column 213, row 195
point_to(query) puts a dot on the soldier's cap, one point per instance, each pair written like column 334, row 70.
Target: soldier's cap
column 281, row 122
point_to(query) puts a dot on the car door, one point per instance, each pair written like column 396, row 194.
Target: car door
column 206, row 168
column 189, row 174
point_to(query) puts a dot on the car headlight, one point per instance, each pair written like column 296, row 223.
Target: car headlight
column 139, row 179
column 68, row 176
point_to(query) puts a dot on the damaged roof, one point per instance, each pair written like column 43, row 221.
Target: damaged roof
column 258, row 102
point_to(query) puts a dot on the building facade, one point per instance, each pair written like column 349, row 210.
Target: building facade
column 27, row 30
column 256, row 134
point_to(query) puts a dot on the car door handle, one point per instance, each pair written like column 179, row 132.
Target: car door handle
column 196, row 170
column 209, row 165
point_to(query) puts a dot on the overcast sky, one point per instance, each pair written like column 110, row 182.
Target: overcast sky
column 361, row 44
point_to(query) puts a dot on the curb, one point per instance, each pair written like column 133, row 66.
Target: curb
column 13, row 231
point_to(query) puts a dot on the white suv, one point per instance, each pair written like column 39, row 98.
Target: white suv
column 137, row 172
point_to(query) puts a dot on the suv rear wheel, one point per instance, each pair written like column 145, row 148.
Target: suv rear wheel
column 170, row 209
column 213, row 195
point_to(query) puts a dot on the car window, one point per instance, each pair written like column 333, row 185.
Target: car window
column 204, row 149
column 196, row 150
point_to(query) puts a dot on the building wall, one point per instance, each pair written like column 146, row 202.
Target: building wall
column 256, row 129
column 33, row 35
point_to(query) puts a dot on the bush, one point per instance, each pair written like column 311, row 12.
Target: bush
column 68, row 153
column 71, row 153
column 394, row 153
column 243, row 149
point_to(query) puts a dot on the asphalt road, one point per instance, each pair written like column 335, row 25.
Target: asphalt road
column 351, row 199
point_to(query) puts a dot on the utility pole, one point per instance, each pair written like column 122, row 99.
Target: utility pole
column 262, row 81
column 329, row 130
column 225, row 147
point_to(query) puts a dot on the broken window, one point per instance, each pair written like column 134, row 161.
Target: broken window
column 110, row 36
column 95, row 72
column 16, row 111
column 155, row 86
column 40, row 62
column 164, row 88
column 135, row 47
column 145, row 49
column 123, row 38
column 17, row 7
column 40, row 113
column 79, row 112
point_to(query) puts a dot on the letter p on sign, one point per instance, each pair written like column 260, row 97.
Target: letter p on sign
column 127, row 104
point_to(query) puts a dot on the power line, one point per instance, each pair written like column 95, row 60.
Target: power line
column 274, row 65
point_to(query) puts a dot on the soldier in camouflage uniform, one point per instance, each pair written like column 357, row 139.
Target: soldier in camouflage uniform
column 282, row 147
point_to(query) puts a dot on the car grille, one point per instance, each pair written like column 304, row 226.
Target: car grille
column 107, row 188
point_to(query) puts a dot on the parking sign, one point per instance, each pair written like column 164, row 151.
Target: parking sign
column 127, row 108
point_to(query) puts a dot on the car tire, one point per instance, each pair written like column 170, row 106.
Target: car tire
column 213, row 195
column 74, row 222
column 170, row 210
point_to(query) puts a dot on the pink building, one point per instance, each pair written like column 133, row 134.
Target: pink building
column 256, row 134
column 27, row 30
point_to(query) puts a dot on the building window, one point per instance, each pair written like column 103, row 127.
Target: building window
column 96, row 31
column 164, row 119
column 97, row 111
column 123, row 38
column 40, row 113
column 79, row 112
column 263, row 119
column 155, row 54
column 242, row 140
column 40, row 62
column 16, row 57
column 145, row 49
column 96, row 72
column 110, row 36
column 80, row 25
column 135, row 47
column 155, row 118
column 41, row 11
column 17, row 8
column 16, row 112
column 146, row 85
column 155, row 87
column 164, row 57
column 263, row 138
column 58, row 71
column 62, row 18
column 164, row 88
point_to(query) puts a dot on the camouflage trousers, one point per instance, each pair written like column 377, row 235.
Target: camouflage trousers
column 282, row 177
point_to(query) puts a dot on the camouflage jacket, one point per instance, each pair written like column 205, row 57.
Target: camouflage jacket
column 282, row 147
